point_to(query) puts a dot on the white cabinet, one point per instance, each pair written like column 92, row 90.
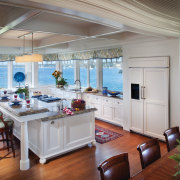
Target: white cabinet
column 53, row 136
column 108, row 108
column 107, row 112
column 150, row 99
column 118, row 111
column 78, row 131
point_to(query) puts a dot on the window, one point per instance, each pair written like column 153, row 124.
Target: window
column 83, row 72
column 112, row 74
column 3, row 75
column 45, row 73
column 68, row 71
column 18, row 67
column 93, row 73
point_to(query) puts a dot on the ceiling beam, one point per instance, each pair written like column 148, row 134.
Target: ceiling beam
column 19, row 20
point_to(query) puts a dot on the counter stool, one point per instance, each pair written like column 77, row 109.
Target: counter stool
column 6, row 131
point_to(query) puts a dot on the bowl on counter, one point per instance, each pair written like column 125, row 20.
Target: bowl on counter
column 113, row 93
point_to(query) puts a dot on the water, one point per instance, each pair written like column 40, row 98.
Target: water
column 111, row 77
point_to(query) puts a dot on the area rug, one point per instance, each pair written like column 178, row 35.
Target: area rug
column 103, row 135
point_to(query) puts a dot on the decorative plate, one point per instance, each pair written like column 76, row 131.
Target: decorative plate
column 19, row 77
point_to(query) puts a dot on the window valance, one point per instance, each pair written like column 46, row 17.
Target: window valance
column 97, row 54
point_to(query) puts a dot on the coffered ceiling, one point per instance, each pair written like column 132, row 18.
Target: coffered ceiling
column 59, row 25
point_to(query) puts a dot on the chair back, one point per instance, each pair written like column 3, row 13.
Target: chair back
column 115, row 168
column 171, row 135
column 149, row 152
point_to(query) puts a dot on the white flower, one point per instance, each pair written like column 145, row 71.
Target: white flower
column 59, row 78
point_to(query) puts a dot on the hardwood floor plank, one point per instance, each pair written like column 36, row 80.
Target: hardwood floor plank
column 80, row 164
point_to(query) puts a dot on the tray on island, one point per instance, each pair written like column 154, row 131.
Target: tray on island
column 48, row 99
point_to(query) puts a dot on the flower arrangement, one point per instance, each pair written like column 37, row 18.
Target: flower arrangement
column 60, row 81
column 176, row 157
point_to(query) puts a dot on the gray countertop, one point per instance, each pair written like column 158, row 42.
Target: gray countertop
column 58, row 115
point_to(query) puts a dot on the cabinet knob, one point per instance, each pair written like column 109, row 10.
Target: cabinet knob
column 52, row 122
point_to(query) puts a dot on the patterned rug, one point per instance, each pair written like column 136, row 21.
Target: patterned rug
column 103, row 135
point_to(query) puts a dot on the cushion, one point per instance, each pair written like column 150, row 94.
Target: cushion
column 8, row 121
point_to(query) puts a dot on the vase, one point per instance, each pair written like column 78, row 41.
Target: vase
column 22, row 95
column 60, row 86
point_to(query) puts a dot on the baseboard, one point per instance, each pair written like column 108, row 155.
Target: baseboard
column 113, row 123
column 131, row 131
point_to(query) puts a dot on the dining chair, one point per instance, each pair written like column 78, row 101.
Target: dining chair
column 149, row 152
column 171, row 135
column 6, row 128
column 115, row 168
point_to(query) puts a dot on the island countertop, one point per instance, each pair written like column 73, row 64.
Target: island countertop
column 58, row 115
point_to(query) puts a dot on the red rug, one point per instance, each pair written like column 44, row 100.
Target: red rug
column 103, row 135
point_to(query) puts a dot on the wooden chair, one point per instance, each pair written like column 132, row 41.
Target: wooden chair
column 6, row 128
column 149, row 152
column 115, row 168
column 171, row 135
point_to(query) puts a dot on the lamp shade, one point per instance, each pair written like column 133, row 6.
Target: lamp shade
column 19, row 59
column 29, row 58
column 36, row 58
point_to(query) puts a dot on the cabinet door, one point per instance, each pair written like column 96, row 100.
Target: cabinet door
column 136, row 107
column 79, row 130
column 118, row 113
column 107, row 112
column 156, row 83
column 98, row 113
column 53, row 136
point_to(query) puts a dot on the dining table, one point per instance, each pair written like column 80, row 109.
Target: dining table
column 162, row 169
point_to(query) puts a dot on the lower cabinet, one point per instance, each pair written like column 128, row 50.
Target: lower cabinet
column 78, row 131
column 107, row 112
column 108, row 109
column 53, row 136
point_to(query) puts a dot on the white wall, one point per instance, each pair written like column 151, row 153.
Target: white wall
column 168, row 47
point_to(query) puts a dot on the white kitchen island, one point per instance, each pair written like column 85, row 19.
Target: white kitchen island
column 49, row 134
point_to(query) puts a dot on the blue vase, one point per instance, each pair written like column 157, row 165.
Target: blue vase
column 104, row 90
column 22, row 96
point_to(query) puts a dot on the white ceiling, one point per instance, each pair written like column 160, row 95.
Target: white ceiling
column 58, row 29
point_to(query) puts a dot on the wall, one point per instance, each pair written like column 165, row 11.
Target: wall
column 166, row 47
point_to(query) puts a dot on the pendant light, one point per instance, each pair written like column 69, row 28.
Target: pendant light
column 29, row 57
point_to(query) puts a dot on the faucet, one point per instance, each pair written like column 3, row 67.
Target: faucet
column 79, row 82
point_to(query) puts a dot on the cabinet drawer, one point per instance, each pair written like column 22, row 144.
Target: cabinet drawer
column 96, row 99
column 108, row 101
column 118, row 102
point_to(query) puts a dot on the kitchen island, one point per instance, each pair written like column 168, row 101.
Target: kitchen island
column 49, row 133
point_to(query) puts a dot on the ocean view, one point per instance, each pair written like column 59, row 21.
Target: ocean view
column 111, row 77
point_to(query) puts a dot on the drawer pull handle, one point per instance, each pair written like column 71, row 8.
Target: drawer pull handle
column 106, row 100
column 52, row 122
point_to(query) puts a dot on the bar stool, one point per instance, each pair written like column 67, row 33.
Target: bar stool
column 6, row 128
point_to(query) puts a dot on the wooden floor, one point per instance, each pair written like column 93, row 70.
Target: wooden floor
column 78, row 165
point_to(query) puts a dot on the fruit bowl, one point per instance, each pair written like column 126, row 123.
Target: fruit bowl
column 113, row 93
column 78, row 103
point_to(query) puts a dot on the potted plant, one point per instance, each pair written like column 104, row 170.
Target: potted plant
column 176, row 157
column 60, row 81
column 23, row 92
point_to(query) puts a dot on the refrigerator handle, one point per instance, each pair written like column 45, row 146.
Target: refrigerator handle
column 142, row 92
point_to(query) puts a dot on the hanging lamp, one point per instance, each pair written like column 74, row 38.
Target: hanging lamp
column 28, row 57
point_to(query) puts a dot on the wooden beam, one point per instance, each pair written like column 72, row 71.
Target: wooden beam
column 19, row 20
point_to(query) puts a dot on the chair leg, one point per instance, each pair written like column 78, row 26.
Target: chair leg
column 2, row 134
column 7, row 139
column 12, row 143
